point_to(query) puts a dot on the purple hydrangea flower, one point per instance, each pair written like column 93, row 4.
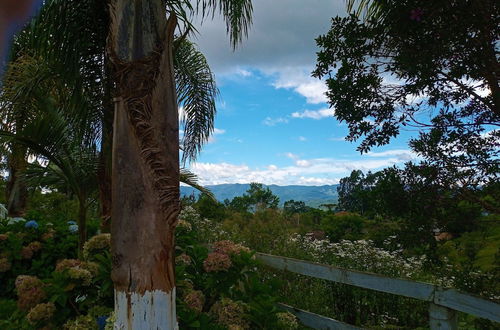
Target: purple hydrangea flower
column 31, row 224
column 73, row 228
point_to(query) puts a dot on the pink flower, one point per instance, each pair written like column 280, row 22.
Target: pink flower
column 26, row 252
column 29, row 291
column 216, row 262
column 195, row 300
column 183, row 259
column 228, row 247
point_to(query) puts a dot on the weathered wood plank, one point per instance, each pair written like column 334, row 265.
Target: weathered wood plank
column 449, row 298
column 442, row 318
column 468, row 304
column 417, row 290
column 316, row 321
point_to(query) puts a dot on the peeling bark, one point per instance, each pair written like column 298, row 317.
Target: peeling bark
column 145, row 175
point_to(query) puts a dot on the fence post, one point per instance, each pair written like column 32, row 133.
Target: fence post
column 442, row 318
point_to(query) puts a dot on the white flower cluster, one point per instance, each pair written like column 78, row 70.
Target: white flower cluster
column 210, row 231
column 359, row 255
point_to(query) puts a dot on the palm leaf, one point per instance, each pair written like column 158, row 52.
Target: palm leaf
column 236, row 13
column 191, row 179
column 196, row 94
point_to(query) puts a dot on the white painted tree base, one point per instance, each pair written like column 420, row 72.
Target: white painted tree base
column 153, row 310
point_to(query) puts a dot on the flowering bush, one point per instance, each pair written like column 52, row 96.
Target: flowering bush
column 96, row 245
column 41, row 313
column 219, row 286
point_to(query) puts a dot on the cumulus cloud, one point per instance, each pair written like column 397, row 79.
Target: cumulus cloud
column 316, row 171
column 283, row 34
column 314, row 114
column 217, row 131
column 281, row 43
column 268, row 121
column 302, row 138
column 300, row 81
column 400, row 154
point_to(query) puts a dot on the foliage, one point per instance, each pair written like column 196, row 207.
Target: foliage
column 383, row 76
column 256, row 198
column 219, row 286
column 343, row 225
column 52, row 286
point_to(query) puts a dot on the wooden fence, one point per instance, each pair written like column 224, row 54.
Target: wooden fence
column 443, row 303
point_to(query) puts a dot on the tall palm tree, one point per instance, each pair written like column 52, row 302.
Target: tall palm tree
column 145, row 185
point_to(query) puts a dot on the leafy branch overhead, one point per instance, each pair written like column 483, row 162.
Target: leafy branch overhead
column 430, row 66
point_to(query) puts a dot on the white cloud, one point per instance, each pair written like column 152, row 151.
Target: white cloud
column 337, row 139
column 316, row 171
column 303, row 163
column 300, row 81
column 302, row 138
column 244, row 73
column 400, row 154
column 274, row 121
column 314, row 114
column 291, row 155
column 218, row 131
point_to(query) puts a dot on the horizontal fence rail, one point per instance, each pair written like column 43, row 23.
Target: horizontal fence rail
column 443, row 302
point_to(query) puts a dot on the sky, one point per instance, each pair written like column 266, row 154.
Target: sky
column 273, row 123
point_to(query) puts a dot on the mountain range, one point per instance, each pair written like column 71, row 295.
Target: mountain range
column 312, row 195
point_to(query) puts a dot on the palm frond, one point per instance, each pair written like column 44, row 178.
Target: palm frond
column 367, row 9
column 191, row 179
column 236, row 13
column 196, row 94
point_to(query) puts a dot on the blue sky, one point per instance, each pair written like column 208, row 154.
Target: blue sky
column 273, row 124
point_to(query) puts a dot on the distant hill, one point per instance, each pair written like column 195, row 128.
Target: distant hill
column 311, row 195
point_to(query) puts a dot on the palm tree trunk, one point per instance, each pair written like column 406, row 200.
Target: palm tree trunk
column 16, row 190
column 145, row 176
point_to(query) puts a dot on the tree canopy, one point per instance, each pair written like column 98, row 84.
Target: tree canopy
column 430, row 66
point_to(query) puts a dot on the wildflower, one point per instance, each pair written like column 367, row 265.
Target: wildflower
column 4, row 237
column 29, row 291
column 287, row 320
column 67, row 264
column 80, row 274
column 195, row 300
column 73, row 229
column 216, row 262
column 26, row 253
column 15, row 220
column 183, row 259
column 92, row 267
column 31, row 224
column 41, row 312
column 230, row 313
column 416, row 14
column 110, row 322
column 35, row 246
column 5, row 265
column 96, row 243
column 78, row 270
column 228, row 247
column 80, row 323
column 184, row 224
